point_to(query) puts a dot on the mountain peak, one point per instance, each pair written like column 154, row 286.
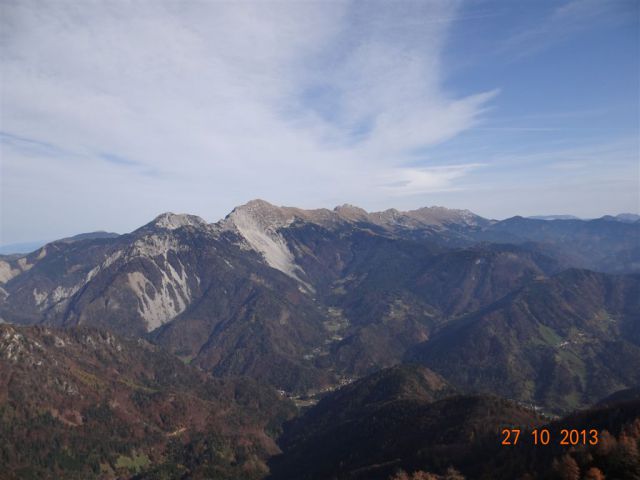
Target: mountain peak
column 351, row 212
column 173, row 221
column 261, row 213
column 259, row 202
column 257, row 205
column 440, row 215
column 627, row 217
column 272, row 217
column 257, row 222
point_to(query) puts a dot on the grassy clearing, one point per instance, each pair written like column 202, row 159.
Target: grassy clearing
column 135, row 462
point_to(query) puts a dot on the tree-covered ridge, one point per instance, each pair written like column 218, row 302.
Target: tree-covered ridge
column 560, row 343
column 85, row 404
column 388, row 434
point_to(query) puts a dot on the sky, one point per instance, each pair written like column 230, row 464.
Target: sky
column 113, row 112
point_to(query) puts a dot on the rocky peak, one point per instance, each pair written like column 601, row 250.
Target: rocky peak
column 351, row 212
column 259, row 213
column 173, row 221
column 440, row 215
column 257, row 223
column 267, row 216
column 389, row 216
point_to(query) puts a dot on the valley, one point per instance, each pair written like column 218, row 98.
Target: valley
column 239, row 348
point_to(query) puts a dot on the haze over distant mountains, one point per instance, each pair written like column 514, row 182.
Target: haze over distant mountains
column 622, row 217
column 27, row 247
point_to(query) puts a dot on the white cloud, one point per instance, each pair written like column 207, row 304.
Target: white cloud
column 203, row 105
column 416, row 181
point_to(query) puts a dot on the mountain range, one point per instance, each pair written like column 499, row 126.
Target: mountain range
column 541, row 314
column 330, row 295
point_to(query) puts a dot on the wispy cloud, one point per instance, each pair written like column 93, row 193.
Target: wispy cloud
column 564, row 21
column 118, row 160
column 30, row 146
column 596, row 155
column 418, row 181
column 225, row 100
column 115, row 111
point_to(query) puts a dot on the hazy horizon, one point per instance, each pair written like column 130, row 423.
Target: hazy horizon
column 31, row 245
column 113, row 113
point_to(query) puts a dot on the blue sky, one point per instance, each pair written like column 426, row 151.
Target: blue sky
column 115, row 112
